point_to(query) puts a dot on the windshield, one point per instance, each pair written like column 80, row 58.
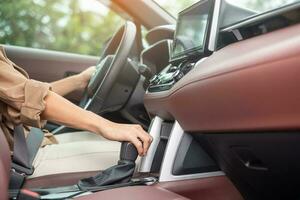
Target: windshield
column 176, row 6
column 258, row 6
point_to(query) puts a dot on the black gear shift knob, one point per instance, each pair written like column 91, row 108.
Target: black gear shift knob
column 128, row 152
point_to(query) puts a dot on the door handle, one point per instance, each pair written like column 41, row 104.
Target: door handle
column 255, row 165
column 249, row 159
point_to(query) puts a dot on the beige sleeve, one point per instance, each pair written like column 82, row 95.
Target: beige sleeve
column 24, row 97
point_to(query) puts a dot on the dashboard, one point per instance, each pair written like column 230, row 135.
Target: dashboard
column 170, row 71
column 189, row 43
column 174, row 68
column 221, row 91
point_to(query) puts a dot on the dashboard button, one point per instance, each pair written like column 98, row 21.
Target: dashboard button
column 179, row 76
column 173, row 69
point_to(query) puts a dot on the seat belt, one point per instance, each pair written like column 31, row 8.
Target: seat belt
column 21, row 153
column 24, row 153
column 34, row 141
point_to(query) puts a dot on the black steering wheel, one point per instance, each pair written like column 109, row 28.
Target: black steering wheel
column 110, row 65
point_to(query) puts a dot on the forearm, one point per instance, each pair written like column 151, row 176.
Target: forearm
column 62, row 111
column 67, row 85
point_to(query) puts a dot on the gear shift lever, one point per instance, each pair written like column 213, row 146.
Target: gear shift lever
column 128, row 152
column 120, row 173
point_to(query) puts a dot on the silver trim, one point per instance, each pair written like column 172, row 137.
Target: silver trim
column 65, row 195
column 237, row 34
column 199, row 62
column 154, row 131
column 170, row 155
column 87, row 104
column 214, row 26
column 58, row 129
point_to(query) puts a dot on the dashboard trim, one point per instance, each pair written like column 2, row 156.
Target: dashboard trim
column 154, row 131
column 214, row 26
column 170, row 155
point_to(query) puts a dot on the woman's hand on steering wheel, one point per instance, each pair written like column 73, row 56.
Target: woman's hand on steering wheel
column 85, row 76
column 128, row 132
column 99, row 85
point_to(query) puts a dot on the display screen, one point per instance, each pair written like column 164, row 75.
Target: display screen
column 191, row 29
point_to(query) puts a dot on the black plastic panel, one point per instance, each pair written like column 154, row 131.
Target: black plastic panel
column 159, row 154
column 191, row 158
column 258, row 24
column 262, row 165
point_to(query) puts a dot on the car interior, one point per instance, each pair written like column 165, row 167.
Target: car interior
column 216, row 88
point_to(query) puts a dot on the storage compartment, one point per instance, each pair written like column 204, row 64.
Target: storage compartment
column 263, row 165
column 191, row 158
column 160, row 151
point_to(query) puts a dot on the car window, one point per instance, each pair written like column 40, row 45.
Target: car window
column 255, row 5
column 77, row 26
column 144, row 32
column 175, row 6
column 260, row 6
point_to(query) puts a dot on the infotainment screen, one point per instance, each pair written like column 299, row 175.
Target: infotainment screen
column 191, row 30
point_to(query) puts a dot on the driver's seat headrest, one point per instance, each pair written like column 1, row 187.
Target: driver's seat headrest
column 5, row 162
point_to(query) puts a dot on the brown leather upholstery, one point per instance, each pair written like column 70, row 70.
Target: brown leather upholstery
column 57, row 180
column 216, row 188
column 4, row 167
column 134, row 193
column 211, row 188
column 249, row 85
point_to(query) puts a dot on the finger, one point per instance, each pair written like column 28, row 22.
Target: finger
column 138, row 145
column 146, row 139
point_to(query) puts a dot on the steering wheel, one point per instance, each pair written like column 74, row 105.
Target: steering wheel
column 110, row 65
column 108, row 68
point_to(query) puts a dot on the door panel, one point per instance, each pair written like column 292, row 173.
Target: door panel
column 48, row 66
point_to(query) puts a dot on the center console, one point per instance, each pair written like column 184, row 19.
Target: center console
column 174, row 153
column 190, row 44
column 169, row 76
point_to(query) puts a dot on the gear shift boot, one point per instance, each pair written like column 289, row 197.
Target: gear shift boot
column 120, row 173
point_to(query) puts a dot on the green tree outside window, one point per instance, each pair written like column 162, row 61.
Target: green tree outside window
column 77, row 26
